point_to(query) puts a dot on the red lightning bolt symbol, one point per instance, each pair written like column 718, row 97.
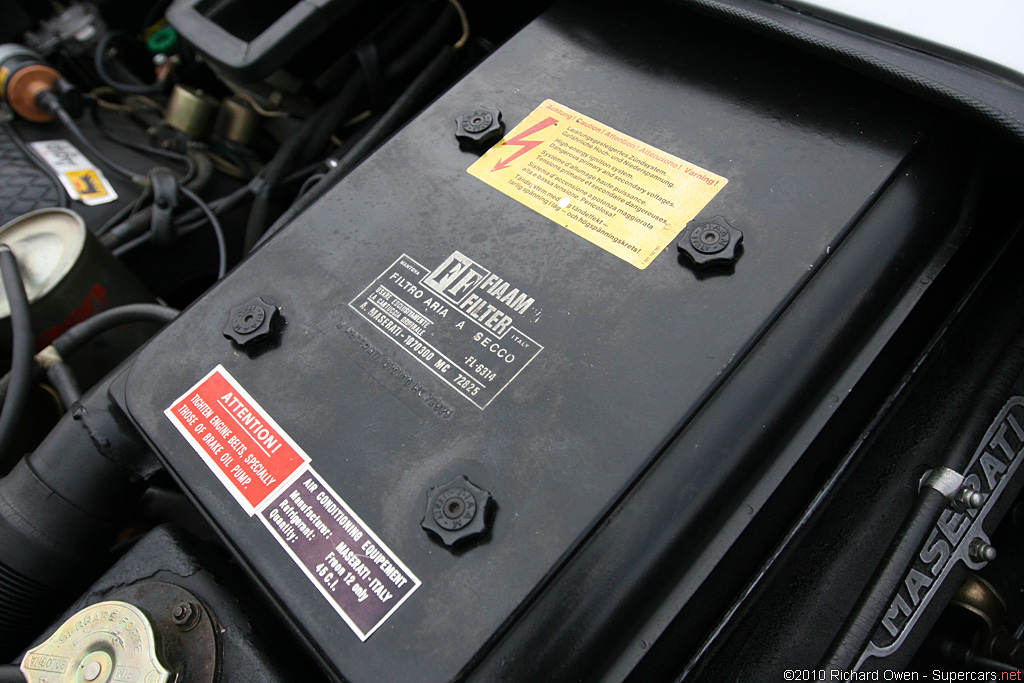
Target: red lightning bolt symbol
column 522, row 142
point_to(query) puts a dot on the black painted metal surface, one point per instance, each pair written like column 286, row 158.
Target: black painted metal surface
column 629, row 356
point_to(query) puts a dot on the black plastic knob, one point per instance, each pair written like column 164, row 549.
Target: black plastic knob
column 710, row 241
column 478, row 129
column 456, row 511
column 251, row 322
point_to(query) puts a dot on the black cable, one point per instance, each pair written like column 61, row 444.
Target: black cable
column 62, row 194
column 427, row 45
column 49, row 101
column 283, row 159
column 99, row 61
column 126, row 212
column 218, row 231
column 63, row 380
column 410, row 99
column 134, row 243
column 310, row 182
column 190, row 169
column 303, row 173
column 73, row 339
column 22, row 351
column 123, row 229
column 317, row 129
column 187, row 222
column 399, row 57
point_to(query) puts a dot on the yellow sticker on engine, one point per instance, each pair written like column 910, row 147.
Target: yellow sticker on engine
column 625, row 196
column 92, row 188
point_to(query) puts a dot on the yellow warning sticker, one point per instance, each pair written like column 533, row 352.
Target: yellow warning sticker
column 90, row 187
column 623, row 195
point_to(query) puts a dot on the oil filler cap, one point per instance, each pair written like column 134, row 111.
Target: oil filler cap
column 710, row 242
column 107, row 641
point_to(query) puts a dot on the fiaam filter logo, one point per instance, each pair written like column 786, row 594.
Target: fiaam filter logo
column 478, row 292
column 456, row 277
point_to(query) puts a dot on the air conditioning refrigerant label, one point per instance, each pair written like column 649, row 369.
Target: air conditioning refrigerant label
column 627, row 197
column 271, row 477
column 459, row 320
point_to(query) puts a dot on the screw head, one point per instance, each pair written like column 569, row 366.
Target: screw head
column 250, row 322
column 477, row 121
column 186, row 615
column 709, row 238
column 248, row 319
column 980, row 551
column 456, row 511
column 967, row 498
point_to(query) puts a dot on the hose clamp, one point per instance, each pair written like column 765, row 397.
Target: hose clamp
column 944, row 480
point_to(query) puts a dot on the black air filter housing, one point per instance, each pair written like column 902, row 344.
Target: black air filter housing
column 659, row 407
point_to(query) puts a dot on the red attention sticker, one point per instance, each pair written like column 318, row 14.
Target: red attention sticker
column 236, row 438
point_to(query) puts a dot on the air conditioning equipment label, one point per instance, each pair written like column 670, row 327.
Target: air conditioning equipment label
column 625, row 196
column 459, row 320
column 360, row 577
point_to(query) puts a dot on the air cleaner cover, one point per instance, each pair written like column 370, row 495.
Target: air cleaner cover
column 539, row 334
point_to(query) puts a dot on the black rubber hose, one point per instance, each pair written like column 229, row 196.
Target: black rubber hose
column 403, row 32
column 888, row 577
column 318, row 128
column 402, row 108
column 11, row 673
column 398, row 64
column 275, row 169
column 61, row 508
column 440, row 31
column 63, row 380
column 60, row 374
column 139, row 223
column 22, row 353
column 862, row 622
column 73, row 339
column 99, row 61
column 80, row 334
column 963, row 655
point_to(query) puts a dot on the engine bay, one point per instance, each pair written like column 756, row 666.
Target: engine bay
column 436, row 341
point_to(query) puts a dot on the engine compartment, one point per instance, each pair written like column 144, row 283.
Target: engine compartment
column 570, row 362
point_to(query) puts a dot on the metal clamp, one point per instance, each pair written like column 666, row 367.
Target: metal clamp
column 944, row 480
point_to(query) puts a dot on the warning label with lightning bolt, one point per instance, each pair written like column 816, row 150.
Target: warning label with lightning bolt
column 613, row 190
